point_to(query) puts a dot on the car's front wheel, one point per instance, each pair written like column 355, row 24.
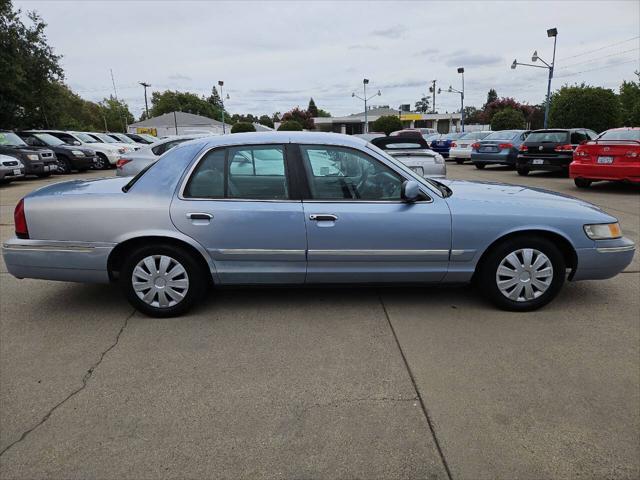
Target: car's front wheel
column 64, row 166
column 162, row 280
column 101, row 163
column 522, row 273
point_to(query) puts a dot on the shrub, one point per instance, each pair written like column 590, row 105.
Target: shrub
column 584, row 106
column 508, row 119
column 243, row 127
column 290, row 126
column 386, row 124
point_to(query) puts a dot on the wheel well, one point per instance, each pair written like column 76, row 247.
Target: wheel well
column 567, row 250
column 119, row 253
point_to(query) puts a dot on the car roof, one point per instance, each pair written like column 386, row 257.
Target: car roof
column 257, row 138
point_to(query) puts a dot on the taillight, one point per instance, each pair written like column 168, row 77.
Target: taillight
column 122, row 162
column 564, row 148
column 453, row 145
column 580, row 153
column 524, row 148
column 505, row 145
column 632, row 154
column 20, row 220
column 475, row 146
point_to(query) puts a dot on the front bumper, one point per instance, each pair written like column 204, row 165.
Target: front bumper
column 605, row 260
column 57, row 260
column 38, row 167
column 83, row 163
column 8, row 173
column 594, row 171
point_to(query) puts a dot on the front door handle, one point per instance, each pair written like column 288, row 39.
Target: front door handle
column 199, row 216
column 323, row 217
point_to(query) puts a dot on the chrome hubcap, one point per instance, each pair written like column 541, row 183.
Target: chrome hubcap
column 160, row 281
column 524, row 275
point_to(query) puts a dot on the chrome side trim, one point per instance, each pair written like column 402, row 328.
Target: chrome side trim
column 383, row 253
column 48, row 246
column 257, row 251
column 455, row 253
column 625, row 248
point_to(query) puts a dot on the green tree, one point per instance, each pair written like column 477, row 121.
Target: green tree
column 115, row 114
column 303, row 117
column 422, row 105
column 172, row 101
column 386, row 124
column 630, row 103
column 508, row 119
column 323, row 113
column 596, row 108
column 266, row 121
column 312, row 109
column 290, row 126
column 242, row 127
column 492, row 96
column 472, row 115
column 28, row 69
column 214, row 99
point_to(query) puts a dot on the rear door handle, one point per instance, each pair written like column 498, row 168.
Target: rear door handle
column 199, row 216
column 323, row 217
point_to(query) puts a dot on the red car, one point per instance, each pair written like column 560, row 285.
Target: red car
column 614, row 155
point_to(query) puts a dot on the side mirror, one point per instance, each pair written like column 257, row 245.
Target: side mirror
column 76, row 143
column 410, row 191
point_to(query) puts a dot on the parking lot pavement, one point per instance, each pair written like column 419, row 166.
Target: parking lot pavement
column 275, row 383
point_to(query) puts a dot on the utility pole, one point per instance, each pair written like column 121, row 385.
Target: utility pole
column 124, row 122
column 146, row 105
column 432, row 89
column 221, row 84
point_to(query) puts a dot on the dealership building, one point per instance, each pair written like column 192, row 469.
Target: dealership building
column 178, row 123
column 354, row 124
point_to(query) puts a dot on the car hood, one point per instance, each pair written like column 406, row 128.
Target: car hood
column 96, row 186
column 506, row 194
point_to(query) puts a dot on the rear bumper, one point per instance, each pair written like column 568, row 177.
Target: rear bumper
column 461, row 153
column 605, row 260
column 502, row 159
column 56, row 260
column 593, row 171
column 552, row 164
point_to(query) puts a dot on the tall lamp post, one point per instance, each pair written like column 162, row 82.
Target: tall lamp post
column 552, row 32
column 146, row 105
column 461, row 93
column 364, row 98
column 220, row 84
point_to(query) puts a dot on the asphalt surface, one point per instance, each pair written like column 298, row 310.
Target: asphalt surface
column 324, row 383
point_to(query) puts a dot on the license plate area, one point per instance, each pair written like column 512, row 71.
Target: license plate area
column 537, row 161
column 605, row 160
column 16, row 171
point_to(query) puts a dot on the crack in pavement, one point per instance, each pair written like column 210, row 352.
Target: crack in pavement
column 415, row 388
column 85, row 380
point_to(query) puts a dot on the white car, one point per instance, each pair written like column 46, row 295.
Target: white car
column 104, row 138
column 107, row 154
column 461, row 148
column 131, row 163
column 11, row 169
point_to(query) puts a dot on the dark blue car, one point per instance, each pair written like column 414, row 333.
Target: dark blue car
column 443, row 143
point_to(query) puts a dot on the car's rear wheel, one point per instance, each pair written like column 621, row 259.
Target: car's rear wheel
column 522, row 171
column 522, row 273
column 459, row 161
column 480, row 166
column 582, row 182
column 101, row 163
column 162, row 280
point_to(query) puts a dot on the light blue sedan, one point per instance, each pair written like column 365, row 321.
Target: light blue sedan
column 306, row 208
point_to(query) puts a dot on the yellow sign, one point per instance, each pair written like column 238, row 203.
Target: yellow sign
column 410, row 116
column 148, row 130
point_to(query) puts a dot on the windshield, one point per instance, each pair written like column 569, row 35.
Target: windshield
column 83, row 137
column 551, row 137
column 620, row 135
column 11, row 139
column 503, row 135
column 122, row 138
column 150, row 138
column 429, row 182
column 48, row 139
column 104, row 138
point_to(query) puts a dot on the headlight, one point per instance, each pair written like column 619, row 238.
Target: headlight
column 439, row 158
column 77, row 153
column 32, row 156
column 122, row 150
column 603, row 231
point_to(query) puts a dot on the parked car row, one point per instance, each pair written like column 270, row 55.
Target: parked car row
column 45, row 152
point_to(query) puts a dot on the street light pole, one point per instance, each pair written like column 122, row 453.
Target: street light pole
column 221, row 83
column 146, row 104
column 552, row 32
column 461, row 71
column 365, row 82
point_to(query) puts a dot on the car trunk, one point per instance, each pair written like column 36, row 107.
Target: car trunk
column 605, row 153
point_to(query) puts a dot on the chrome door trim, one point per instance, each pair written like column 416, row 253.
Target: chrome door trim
column 56, row 246
column 381, row 253
column 257, row 251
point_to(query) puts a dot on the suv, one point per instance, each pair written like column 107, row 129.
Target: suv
column 38, row 162
column 107, row 155
column 69, row 157
column 551, row 149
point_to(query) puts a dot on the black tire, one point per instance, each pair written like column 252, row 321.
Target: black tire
column 487, row 275
column 582, row 182
column 459, row 161
column 522, row 171
column 102, row 163
column 194, row 273
column 64, row 166
column 480, row 166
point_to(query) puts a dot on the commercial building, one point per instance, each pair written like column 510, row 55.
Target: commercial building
column 178, row 123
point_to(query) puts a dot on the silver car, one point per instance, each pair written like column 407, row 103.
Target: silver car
column 298, row 208
column 460, row 149
column 10, row 169
column 414, row 152
column 132, row 163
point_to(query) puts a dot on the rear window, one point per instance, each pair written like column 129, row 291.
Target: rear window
column 503, row 135
column 403, row 146
column 451, row 136
column 620, row 135
column 552, row 137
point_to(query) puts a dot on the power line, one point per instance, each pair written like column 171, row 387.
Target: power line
column 601, row 48
column 599, row 58
column 597, row 68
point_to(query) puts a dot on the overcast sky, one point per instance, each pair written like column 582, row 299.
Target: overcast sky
column 275, row 55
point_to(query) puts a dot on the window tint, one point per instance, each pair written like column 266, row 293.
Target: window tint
column 241, row 172
column 162, row 148
column 552, row 137
column 620, row 135
column 578, row 136
column 337, row 173
column 503, row 135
